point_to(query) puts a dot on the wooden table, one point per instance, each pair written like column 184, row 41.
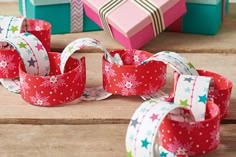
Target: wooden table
column 90, row 129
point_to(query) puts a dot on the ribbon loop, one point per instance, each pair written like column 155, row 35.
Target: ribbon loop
column 33, row 55
column 133, row 78
column 177, row 62
column 11, row 26
column 152, row 115
column 97, row 93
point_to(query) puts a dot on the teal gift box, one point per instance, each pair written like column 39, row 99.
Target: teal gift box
column 202, row 17
column 65, row 16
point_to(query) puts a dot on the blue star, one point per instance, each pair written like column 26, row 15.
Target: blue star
column 31, row 62
column 188, row 79
column 1, row 29
column 131, row 137
column 163, row 154
column 27, row 34
column 149, row 133
column 143, row 109
column 29, row 51
column 145, row 143
column 202, row 99
column 187, row 90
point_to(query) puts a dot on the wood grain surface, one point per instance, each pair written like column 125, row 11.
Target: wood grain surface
column 83, row 141
column 91, row 129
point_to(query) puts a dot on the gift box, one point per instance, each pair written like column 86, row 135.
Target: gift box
column 202, row 17
column 134, row 23
column 65, row 16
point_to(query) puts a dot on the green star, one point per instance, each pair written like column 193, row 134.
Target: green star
column 22, row 45
column 86, row 95
column 70, row 48
column 184, row 102
column 14, row 29
column 152, row 101
column 129, row 154
column 163, row 154
column 202, row 99
column 145, row 143
column 190, row 65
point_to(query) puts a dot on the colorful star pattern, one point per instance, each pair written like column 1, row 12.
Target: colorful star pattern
column 129, row 154
column 31, row 62
column 39, row 46
column 203, row 99
column 154, row 117
column 145, row 143
column 184, row 102
column 134, row 122
column 189, row 79
column 187, row 90
column 14, row 29
column 22, row 45
column 163, row 154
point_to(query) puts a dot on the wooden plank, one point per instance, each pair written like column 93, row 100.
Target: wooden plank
column 224, row 42
column 116, row 109
column 82, row 140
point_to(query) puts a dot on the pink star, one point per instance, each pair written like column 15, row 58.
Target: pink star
column 39, row 47
column 154, row 117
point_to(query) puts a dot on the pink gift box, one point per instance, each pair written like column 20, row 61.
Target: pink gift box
column 131, row 25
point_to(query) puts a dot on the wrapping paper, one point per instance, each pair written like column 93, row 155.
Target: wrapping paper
column 133, row 78
column 55, row 88
column 10, row 26
column 41, row 82
column 174, row 139
column 9, row 57
column 219, row 92
column 143, row 23
column 33, row 55
column 180, row 118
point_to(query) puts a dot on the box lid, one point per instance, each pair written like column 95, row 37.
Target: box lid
column 135, row 18
column 211, row 2
column 48, row 2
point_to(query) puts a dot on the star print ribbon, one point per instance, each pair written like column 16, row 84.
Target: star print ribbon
column 41, row 82
column 220, row 90
column 176, row 61
column 123, row 72
column 56, row 88
column 11, row 26
column 176, row 138
column 31, row 52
